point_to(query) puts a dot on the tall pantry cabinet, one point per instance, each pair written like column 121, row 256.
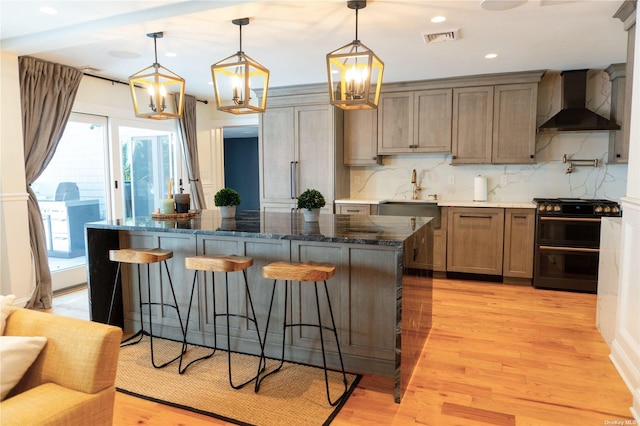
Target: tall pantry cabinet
column 301, row 147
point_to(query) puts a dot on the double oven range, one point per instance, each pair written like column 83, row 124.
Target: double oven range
column 567, row 242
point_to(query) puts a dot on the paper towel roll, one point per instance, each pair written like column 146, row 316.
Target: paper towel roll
column 480, row 189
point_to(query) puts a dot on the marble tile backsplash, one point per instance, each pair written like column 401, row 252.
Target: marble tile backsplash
column 546, row 178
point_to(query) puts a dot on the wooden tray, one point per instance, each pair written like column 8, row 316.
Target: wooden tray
column 172, row 216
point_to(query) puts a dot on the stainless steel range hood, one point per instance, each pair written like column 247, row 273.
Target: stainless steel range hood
column 574, row 115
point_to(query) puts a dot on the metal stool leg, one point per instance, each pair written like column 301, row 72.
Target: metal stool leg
column 261, row 362
column 266, row 330
column 335, row 334
column 175, row 306
column 140, row 333
column 186, row 328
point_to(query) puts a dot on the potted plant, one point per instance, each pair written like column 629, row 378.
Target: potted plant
column 227, row 199
column 311, row 201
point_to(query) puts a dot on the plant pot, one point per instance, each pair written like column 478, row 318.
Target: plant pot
column 228, row 211
column 311, row 215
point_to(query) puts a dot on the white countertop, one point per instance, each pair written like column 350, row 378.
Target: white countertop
column 446, row 203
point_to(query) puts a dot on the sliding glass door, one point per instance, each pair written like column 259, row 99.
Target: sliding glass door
column 102, row 169
column 71, row 191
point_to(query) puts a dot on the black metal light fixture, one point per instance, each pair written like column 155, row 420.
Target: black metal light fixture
column 354, row 72
column 234, row 79
column 158, row 82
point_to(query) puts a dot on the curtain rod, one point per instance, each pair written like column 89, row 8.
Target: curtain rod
column 126, row 84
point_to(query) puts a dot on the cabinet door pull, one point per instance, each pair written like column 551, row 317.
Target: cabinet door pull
column 476, row 216
column 519, row 216
column 353, row 210
column 291, row 179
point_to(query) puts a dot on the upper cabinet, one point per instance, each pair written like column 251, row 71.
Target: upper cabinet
column 489, row 119
column 473, row 118
column 622, row 87
column 514, row 123
column 361, row 138
column 415, row 121
column 494, row 124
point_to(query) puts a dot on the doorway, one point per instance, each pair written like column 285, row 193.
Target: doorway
column 241, row 169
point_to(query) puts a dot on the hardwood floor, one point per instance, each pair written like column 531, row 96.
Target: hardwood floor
column 497, row 355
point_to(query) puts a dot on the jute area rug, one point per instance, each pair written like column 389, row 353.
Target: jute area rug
column 295, row 395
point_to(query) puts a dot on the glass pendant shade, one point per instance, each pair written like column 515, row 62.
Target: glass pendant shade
column 354, row 72
column 238, row 79
column 157, row 84
column 355, row 77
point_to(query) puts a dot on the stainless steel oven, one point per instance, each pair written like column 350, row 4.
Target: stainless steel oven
column 568, row 242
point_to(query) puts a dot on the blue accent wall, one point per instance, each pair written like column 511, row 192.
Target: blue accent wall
column 241, row 170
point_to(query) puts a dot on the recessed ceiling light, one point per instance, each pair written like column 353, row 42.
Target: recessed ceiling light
column 170, row 54
column 48, row 10
column 491, row 55
column 210, row 83
column 438, row 19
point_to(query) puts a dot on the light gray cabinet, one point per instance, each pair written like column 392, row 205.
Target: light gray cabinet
column 619, row 140
column 359, row 209
column 494, row 124
column 519, row 234
column 514, row 124
column 475, row 240
column 472, row 125
column 415, row 122
column 301, row 147
column 361, row 138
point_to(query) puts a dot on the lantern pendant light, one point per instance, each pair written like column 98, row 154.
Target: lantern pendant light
column 236, row 77
column 354, row 72
column 158, row 83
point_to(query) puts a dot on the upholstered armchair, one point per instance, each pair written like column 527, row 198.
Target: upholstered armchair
column 71, row 382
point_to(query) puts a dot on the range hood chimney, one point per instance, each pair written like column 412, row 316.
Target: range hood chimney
column 574, row 116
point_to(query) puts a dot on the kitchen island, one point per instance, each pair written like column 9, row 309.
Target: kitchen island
column 381, row 293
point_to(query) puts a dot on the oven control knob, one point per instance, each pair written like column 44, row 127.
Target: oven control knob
column 607, row 209
column 549, row 207
column 556, row 208
column 541, row 208
column 615, row 209
column 598, row 209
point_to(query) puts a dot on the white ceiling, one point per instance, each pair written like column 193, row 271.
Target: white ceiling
column 291, row 38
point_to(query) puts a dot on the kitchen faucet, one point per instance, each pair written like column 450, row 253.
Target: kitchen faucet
column 416, row 188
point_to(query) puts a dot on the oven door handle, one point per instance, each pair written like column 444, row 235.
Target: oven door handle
column 572, row 219
column 578, row 249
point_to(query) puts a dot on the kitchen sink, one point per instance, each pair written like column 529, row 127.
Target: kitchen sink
column 414, row 208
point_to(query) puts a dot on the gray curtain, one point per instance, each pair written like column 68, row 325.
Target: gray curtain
column 188, row 135
column 47, row 92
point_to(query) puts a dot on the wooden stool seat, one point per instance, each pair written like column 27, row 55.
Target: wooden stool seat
column 140, row 255
column 307, row 271
column 213, row 263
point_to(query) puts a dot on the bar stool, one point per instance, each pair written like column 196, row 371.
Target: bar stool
column 226, row 264
column 141, row 256
column 304, row 272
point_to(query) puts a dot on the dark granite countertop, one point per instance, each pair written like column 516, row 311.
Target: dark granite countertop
column 337, row 228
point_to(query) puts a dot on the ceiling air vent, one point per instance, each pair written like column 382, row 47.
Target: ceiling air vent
column 443, row 36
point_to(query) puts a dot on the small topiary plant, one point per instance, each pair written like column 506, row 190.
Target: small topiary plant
column 227, row 197
column 311, row 199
